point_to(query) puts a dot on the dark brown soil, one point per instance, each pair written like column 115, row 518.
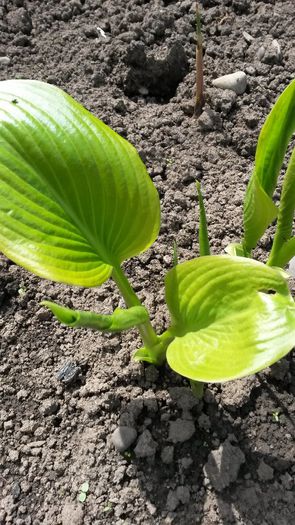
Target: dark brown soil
column 140, row 81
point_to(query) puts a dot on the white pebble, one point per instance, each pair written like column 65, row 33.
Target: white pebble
column 4, row 61
column 236, row 82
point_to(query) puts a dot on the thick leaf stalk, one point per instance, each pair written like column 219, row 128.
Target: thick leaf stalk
column 118, row 321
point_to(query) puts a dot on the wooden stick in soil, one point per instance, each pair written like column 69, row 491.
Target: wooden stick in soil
column 200, row 98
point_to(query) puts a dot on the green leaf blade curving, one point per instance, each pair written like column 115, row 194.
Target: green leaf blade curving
column 231, row 317
column 276, row 133
column 75, row 197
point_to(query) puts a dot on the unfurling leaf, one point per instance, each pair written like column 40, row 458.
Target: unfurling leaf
column 204, row 245
column 231, row 317
column 75, row 197
column 235, row 249
column 283, row 248
column 120, row 320
column 259, row 208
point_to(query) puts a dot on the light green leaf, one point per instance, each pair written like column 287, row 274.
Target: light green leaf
column 259, row 209
column 235, row 249
column 75, row 197
column 82, row 497
column 84, row 487
column 121, row 319
column 231, row 316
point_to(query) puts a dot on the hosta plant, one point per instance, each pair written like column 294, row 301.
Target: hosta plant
column 76, row 201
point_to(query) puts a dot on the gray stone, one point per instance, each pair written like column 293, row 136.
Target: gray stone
column 185, row 463
column 49, row 407
column 72, row 514
column 237, row 393
column 13, row 455
column 167, row 454
column 175, row 497
column 91, row 406
column 180, row 430
column 236, row 82
column 249, row 38
column 183, row 397
column 210, row 120
column 183, row 494
column 28, row 426
column 269, row 52
column 119, row 474
column 20, row 20
column 4, row 61
column 172, row 501
column 146, row 446
column 223, row 465
column 222, row 100
column 123, row 437
column 204, row 421
column 264, row 471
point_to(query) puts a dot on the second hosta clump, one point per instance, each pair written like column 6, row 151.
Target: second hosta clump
column 76, row 201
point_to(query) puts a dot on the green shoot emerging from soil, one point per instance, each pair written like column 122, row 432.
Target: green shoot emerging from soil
column 76, row 201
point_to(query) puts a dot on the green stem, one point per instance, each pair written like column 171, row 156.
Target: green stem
column 204, row 245
column 148, row 334
column 197, row 388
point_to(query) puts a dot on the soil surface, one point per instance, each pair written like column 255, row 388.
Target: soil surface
column 228, row 459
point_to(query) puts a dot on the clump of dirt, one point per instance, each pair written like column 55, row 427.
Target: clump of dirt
column 66, row 395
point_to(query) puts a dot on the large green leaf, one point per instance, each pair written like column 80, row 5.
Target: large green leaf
column 259, row 209
column 231, row 316
column 75, row 198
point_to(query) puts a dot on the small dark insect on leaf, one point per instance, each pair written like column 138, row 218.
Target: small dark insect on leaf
column 14, row 101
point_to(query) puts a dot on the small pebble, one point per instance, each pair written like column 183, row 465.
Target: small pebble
column 49, row 407
column 236, row 82
column 181, row 430
column 223, row 465
column 210, row 120
column 4, row 61
column 72, row 514
column 146, row 446
column 167, row 455
column 264, row 471
column 249, row 38
column 123, row 437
